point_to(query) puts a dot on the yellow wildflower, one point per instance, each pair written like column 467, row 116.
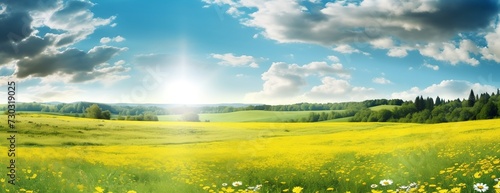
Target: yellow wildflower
column 297, row 189
column 478, row 175
column 99, row 189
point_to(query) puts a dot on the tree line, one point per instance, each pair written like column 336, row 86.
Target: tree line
column 96, row 110
column 428, row 110
column 80, row 108
column 304, row 106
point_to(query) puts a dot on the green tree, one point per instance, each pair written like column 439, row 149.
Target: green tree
column 150, row 116
column 438, row 101
column 472, row 99
column 420, row 103
column 429, row 103
column 93, row 112
column 466, row 114
column 384, row 115
column 191, row 117
column 106, row 115
column 488, row 111
column 313, row 117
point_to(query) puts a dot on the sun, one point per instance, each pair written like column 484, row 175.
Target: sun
column 183, row 91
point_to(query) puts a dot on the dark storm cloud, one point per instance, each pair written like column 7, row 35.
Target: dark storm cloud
column 70, row 61
column 14, row 27
column 461, row 14
column 455, row 16
column 41, row 56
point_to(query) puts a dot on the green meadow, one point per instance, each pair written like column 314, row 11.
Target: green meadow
column 68, row 154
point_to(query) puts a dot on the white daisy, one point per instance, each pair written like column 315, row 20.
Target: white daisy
column 374, row 186
column 386, row 182
column 224, row 184
column 237, row 183
column 480, row 187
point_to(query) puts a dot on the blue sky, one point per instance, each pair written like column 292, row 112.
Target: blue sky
column 248, row 51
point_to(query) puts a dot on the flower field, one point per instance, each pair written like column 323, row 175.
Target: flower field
column 65, row 154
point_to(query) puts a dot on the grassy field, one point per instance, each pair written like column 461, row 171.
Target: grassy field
column 66, row 154
column 380, row 107
column 263, row 116
column 247, row 116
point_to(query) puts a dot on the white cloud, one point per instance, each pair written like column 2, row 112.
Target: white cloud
column 397, row 52
column 233, row 11
column 347, row 49
column 284, row 82
column 433, row 67
column 381, row 80
column 255, row 36
column 388, row 44
column 118, row 39
column 492, row 51
column 446, row 89
column 229, row 59
column 106, row 40
column 338, row 90
column 449, row 52
column 333, row 58
column 120, row 62
column 382, row 43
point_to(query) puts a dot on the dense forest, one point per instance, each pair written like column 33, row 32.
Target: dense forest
column 428, row 110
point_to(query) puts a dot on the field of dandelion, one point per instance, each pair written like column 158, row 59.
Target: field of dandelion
column 66, row 154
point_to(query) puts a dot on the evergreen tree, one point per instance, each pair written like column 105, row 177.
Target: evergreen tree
column 429, row 104
column 418, row 103
column 472, row 99
column 438, row 101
